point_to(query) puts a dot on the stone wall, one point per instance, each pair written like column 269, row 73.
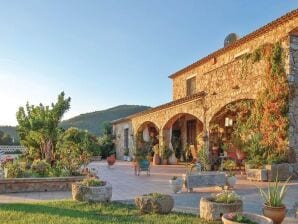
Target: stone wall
column 119, row 138
column 293, row 104
column 201, row 72
column 15, row 185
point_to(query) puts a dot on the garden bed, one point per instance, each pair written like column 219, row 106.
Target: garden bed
column 16, row 185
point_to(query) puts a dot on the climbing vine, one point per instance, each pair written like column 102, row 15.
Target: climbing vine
column 262, row 129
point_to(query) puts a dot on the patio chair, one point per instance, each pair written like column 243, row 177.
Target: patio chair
column 143, row 165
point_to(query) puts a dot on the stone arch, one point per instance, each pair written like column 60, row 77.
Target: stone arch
column 180, row 131
column 221, row 127
column 148, row 131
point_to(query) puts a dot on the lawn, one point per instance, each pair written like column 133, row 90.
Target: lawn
column 64, row 212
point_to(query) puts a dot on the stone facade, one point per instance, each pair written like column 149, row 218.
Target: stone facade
column 222, row 78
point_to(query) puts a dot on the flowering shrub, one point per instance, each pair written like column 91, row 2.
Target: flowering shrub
column 226, row 197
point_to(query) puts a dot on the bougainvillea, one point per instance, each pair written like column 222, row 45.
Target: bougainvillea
column 262, row 129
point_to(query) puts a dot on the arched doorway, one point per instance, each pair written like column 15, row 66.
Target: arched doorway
column 147, row 137
column 222, row 143
column 180, row 135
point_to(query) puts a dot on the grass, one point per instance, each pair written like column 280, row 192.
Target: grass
column 64, row 212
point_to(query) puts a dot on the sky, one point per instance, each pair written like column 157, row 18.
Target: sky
column 104, row 53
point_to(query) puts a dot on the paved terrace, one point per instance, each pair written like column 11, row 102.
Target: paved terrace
column 126, row 186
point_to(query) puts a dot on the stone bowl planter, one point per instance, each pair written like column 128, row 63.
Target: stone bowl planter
column 176, row 185
column 212, row 211
column 91, row 194
column 253, row 217
column 161, row 204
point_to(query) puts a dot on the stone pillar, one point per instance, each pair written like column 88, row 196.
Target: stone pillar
column 293, row 101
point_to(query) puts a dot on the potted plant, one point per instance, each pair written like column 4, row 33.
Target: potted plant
column 126, row 155
column 203, row 156
column 111, row 160
column 165, row 155
column 230, row 165
column 92, row 189
column 212, row 207
column 274, row 207
column 156, row 157
column 245, row 218
column 176, row 184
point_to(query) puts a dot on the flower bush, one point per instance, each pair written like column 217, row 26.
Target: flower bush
column 226, row 197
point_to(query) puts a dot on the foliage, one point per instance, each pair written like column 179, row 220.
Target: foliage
column 5, row 139
column 240, row 218
column 93, row 182
column 126, row 152
column 12, row 132
column 275, row 193
column 203, row 156
column 75, row 148
column 38, row 127
column 40, row 167
column 62, row 212
column 106, row 141
column 226, row 197
column 155, row 195
column 174, row 178
column 14, row 169
column 229, row 165
column 262, row 129
column 166, row 153
column 177, row 144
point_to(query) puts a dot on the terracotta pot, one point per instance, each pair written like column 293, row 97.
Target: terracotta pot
column 164, row 162
column 277, row 214
column 111, row 160
column 156, row 159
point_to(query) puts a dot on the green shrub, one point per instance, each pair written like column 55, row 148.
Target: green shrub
column 93, row 182
column 40, row 168
column 226, row 197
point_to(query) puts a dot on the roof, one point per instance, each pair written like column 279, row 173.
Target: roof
column 195, row 96
column 270, row 26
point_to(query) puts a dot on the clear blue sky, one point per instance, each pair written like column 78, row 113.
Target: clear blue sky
column 106, row 53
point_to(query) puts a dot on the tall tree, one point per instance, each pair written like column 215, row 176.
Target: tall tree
column 38, row 127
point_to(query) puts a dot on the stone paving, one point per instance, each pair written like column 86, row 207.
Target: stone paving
column 126, row 186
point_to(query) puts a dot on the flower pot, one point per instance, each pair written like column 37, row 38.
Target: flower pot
column 176, row 185
column 156, row 159
column 231, row 181
column 253, row 217
column 111, row 160
column 277, row 214
column 212, row 211
column 164, row 162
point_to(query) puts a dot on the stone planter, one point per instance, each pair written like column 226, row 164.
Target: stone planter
column 231, row 181
column 277, row 214
column 253, row 217
column 176, row 185
column 257, row 174
column 91, row 194
column 281, row 171
column 212, row 211
column 155, row 204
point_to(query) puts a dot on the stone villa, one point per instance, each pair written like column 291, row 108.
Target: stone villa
column 201, row 90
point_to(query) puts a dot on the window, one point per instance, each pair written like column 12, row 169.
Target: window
column 126, row 138
column 191, row 86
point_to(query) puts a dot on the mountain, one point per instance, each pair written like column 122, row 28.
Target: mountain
column 93, row 122
column 11, row 130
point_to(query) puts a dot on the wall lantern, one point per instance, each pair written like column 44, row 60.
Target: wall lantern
column 228, row 122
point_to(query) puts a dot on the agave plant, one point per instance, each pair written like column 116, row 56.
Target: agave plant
column 275, row 194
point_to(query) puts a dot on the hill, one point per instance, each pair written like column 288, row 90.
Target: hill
column 11, row 130
column 93, row 122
